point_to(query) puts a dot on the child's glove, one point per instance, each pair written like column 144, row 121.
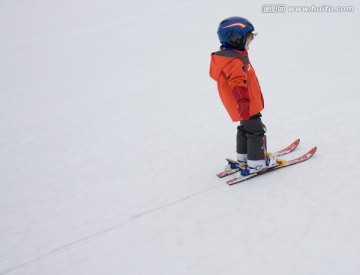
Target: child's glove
column 241, row 96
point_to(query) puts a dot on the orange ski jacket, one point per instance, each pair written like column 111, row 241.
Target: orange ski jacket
column 231, row 68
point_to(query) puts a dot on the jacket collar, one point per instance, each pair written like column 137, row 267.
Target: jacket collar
column 225, row 46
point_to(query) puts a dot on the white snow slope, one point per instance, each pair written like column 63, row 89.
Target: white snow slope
column 112, row 133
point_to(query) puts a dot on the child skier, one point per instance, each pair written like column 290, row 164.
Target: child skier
column 240, row 92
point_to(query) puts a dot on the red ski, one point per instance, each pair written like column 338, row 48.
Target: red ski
column 282, row 164
column 279, row 153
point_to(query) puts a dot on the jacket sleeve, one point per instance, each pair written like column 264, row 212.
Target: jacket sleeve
column 235, row 73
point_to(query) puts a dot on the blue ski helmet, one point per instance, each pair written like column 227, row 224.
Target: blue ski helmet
column 233, row 31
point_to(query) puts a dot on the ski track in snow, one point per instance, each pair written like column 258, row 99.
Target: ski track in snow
column 86, row 239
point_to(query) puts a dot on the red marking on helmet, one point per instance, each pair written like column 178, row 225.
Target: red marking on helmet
column 241, row 25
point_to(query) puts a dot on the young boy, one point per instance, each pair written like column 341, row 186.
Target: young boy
column 240, row 92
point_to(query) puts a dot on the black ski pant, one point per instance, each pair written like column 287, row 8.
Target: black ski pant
column 251, row 139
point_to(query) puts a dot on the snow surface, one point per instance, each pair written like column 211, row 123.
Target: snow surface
column 112, row 133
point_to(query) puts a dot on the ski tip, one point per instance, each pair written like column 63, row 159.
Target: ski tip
column 312, row 152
